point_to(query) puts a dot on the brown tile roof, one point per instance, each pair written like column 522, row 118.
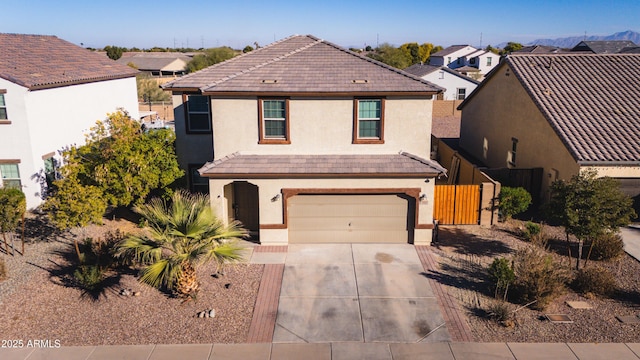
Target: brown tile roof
column 42, row 61
column 603, row 46
column 391, row 165
column 450, row 50
column 592, row 101
column 302, row 64
column 152, row 60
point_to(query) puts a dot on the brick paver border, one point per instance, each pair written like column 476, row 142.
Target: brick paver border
column 455, row 321
column 263, row 322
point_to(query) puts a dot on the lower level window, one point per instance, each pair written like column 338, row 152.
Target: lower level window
column 461, row 93
column 10, row 176
column 197, row 183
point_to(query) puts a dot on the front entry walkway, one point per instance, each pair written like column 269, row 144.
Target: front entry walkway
column 356, row 293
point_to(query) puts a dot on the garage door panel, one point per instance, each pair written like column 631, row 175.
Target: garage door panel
column 340, row 236
column 348, row 218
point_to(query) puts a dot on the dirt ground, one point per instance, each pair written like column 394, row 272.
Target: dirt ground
column 464, row 253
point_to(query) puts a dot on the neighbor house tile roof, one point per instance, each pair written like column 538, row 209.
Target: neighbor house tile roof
column 153, row 60
column 592, row 101
column 449, row 50
column 248, row 165
column 42, row 61
column 423, row 69
column 302, row 64
column 603, row 47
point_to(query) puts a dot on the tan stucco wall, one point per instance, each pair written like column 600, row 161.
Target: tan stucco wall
column 502, row 110
column 615, row 171
column 321, row 126
column 271, row 212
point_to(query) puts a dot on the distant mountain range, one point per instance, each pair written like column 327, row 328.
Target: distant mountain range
column 569, row 42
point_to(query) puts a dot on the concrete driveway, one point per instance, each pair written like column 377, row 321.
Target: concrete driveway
column 356, row 293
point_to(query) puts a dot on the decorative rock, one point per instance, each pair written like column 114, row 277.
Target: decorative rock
column 125, row 292
column 227, row 285
column 212, row 313
column 136, row 293
column 201, row 314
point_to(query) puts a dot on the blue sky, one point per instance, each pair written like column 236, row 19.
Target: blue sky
column 237, row 23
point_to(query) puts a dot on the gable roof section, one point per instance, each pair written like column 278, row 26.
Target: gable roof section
column 423, row 70
column 302, row 64
column 592, row 101
column 155, row 60
column 43, row 61
column 311, row 166
column 450, row 50
column 603, row 47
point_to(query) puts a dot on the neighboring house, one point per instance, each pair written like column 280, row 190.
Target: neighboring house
column 51, row 93
column 539, row 49
column 460, row 56
column 603, row 47
column 157, row 63
column 305, row 141
column 456, row 85
column 563, row 113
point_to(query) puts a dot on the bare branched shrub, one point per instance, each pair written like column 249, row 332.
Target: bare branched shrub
column 607, row 247
column 538, row 277
column 3, row 270
column 595, row 280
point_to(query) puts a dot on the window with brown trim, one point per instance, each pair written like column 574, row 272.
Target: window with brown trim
column 368, row 121
column 4, row 119
column 197, row 113
column 274, row 121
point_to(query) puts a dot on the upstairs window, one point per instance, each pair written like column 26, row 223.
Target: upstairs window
column 274, row 121
column 489, row 59
column 10, row 176
column 197, row 113
column 461, row 93
column 369, row 121
column 3, row 107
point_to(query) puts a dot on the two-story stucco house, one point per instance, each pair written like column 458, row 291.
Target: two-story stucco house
column 51, row 93
column 465, row 56
column 305, row 141
column 563, row 113
column 457, row 86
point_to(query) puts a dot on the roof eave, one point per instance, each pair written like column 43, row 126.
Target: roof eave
column 321, row 93
column 420, row 175
column 76, row 82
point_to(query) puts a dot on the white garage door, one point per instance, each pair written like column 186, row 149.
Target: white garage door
column 348, row 219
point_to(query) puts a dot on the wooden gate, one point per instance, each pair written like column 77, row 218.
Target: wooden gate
column 457, row 204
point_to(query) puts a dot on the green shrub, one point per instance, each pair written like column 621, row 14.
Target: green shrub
column 501, row 312
column 538, row 278
column 3, row 270
column 502, row 275
column 608, row 246
column 595, row 280
column 89, row 277
column 513, row 201
column 535, row 234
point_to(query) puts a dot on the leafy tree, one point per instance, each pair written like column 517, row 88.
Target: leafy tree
column 74, row 204
column 392, row 56
column 368, row 48
column 182, row 235
column 589, row 206
column 247, row 49
column 511, row 47
column 424, row 52
column 114, row 52
column 502, row 275
column 13, row 205
column 513, row 201
column 149, row 90
column 411, row 51
column 492, row 49
column 211, row 57
column 120, row 164
column 436, row 49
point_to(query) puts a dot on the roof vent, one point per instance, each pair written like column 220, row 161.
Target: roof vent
column 269, row 81
column 359, row 81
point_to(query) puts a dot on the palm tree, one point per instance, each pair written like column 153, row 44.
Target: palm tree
column 183, row 233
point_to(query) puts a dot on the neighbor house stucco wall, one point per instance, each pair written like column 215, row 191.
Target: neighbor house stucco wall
column 321, row 126
column 272, row 212
column 502, row 111
column 43, row 122
column 190, row 148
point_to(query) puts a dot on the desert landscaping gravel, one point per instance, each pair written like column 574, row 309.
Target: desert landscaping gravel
column 464, row 253
column 37, row 304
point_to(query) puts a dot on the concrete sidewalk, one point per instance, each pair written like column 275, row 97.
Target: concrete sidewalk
column 631, row 238
column 336, row 351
